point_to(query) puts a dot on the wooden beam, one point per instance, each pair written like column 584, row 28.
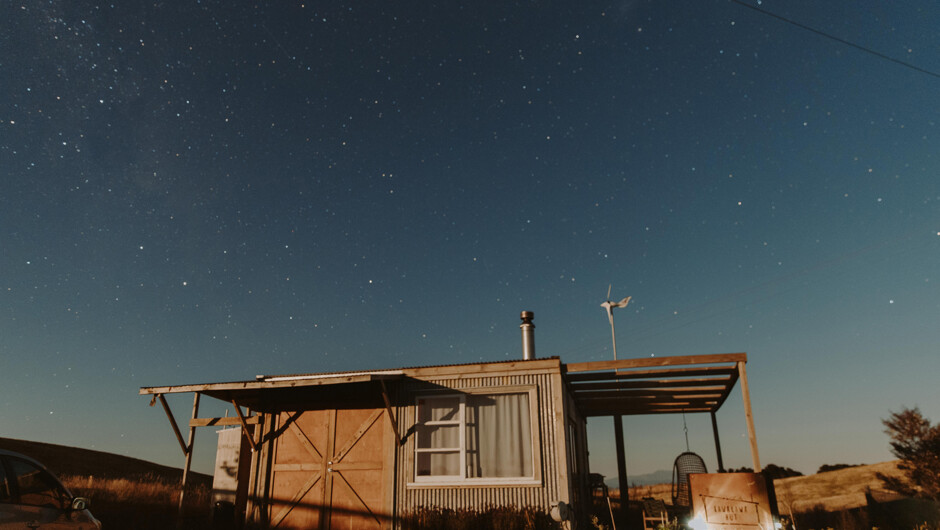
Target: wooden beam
column 557, row 415
column 289, row 505
column 241, row 419
column 726, row 370
column 608, row 411
column 304, row 441
column 391, row 416
column 282, row 382
column 326, row 464
column 176, row 429
column 189, row 453
column 259, row 470
column 714, row 392
column 749, row 416
column 363, row 427
column 721, row 465
column 227, row 421
column 662, row 383
column 639, row 403
column 644, row 400
column 296, row 467
column 594, row 366
column 733, row 381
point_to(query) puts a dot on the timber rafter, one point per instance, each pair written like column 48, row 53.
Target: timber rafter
column 654, row 385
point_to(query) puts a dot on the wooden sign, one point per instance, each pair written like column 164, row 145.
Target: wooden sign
column 730, row 501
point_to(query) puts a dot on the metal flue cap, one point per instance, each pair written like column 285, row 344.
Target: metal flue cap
column 528, row 335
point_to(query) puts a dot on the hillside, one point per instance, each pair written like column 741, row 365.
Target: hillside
column 833, row 490
column 64, row 461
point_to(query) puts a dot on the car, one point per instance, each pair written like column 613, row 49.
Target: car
column 31, row 497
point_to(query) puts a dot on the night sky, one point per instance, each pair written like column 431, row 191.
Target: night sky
column 203, row 191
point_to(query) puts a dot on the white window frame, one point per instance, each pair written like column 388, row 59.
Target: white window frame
column 461, row 449
column 462, row 479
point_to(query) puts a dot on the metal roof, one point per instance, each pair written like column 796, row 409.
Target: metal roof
column 654, row 385
column 269, row 391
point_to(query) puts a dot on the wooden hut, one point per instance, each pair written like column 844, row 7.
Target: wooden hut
column 362, row 449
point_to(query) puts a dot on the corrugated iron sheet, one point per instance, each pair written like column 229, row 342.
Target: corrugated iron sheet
column 410, row 498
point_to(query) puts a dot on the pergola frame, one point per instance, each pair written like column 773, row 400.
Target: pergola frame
column 661, row 385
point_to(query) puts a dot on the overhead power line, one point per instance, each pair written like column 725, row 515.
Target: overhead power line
column 837, row 39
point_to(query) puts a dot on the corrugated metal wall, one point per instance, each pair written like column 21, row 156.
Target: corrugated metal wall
column 463, row 497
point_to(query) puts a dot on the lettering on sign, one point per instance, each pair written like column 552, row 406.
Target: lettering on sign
column 730, row 511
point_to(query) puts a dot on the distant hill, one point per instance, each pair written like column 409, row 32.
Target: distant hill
column 64, row 460
column 662, row 476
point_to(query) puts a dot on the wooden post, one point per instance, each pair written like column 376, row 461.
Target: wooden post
column 255, row 461
column 621, row 464
column 721, row 465
column 751, row 435
column 189, row 452
column 259, row 480
column 560, row 419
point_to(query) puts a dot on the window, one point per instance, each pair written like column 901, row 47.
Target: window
column 6, row 493
column 35, row 486
column 474, row 438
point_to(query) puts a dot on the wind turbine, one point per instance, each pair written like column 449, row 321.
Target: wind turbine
column 609, row 305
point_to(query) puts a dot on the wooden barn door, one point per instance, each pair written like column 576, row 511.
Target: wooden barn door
column 332, row 470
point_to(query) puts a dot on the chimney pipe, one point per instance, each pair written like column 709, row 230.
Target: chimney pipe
column 528, row 335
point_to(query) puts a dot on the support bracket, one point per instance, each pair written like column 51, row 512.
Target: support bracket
column 176, row 429
column 241, row 419
column 391, row 416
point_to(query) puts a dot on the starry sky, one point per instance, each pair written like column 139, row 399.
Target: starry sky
column 203, row 191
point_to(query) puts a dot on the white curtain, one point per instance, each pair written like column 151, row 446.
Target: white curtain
column 439, row 463
column 499, row 437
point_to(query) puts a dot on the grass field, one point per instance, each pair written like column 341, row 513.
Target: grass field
column 832, row 491
column 128, row 493
column 143, row 503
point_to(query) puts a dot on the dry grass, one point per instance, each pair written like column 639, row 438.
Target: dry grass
column 126, row 493
column 834, row 490
column 831, row 491
column 144, row 503
column 656, row 491
column 838, row 499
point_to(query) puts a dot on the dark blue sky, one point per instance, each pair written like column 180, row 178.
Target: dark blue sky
column 200, row 191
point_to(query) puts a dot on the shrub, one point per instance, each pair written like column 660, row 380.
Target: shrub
column 834, row 467
column 496, row 518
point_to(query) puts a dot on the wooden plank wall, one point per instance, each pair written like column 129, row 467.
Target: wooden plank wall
column 410, row 498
